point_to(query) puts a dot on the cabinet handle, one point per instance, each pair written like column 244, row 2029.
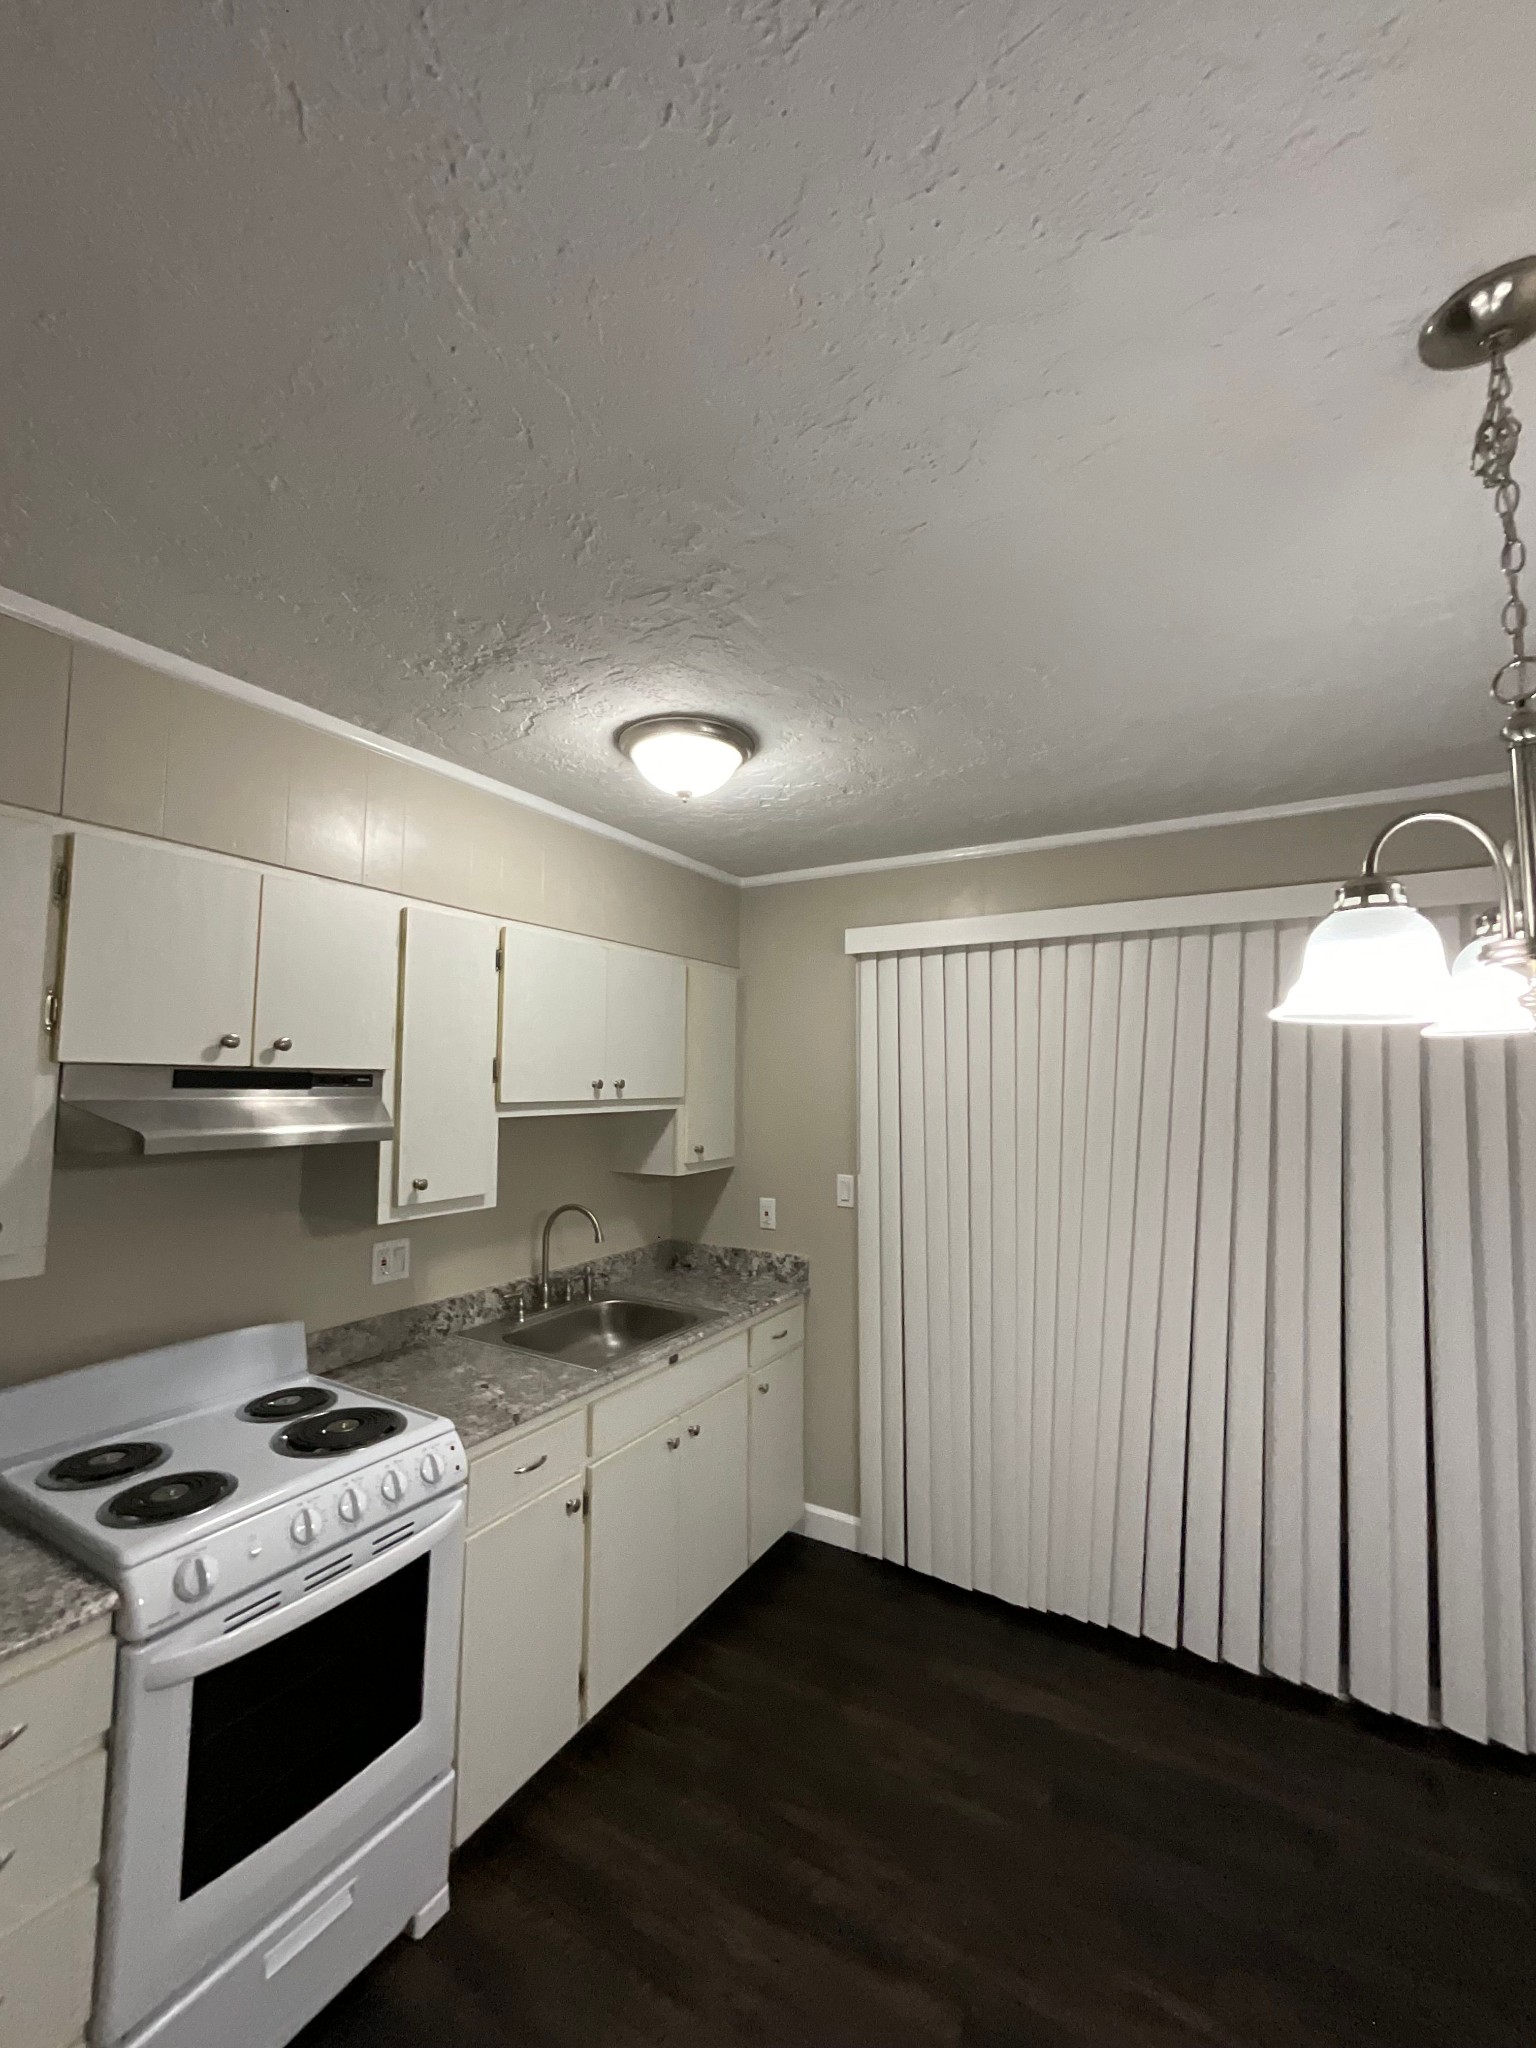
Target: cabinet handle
column 673, row 1442
column 420, row 1185
column 230, row 1040
column 282, row 1045
column 5, row 1857
column 694, row 1428
column 10, row 1735
column 519, row 1470
column 573, row 1507
column 762, row 1386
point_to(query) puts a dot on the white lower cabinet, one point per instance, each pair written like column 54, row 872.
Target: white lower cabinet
column 632, row 1582
column 712, row 1500
column 776, row 1470
column 520, row 1670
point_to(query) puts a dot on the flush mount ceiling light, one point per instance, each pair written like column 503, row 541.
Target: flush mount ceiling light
column 683, row 755
column 1375, row 959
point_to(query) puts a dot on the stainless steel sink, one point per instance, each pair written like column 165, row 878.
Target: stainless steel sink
column 590, row 1333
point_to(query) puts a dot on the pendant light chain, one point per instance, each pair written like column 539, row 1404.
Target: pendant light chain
column 1493, row 456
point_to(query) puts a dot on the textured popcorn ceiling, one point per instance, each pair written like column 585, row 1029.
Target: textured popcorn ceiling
column 1010, row 410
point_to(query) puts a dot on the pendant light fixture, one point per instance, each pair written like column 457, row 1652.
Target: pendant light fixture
column 1375, row 959
column 685, row 756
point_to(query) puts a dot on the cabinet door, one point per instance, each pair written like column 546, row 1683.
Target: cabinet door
column 777, row 1449
column 328, row 975
column 709, row 1109
column 520, row 1665
column 28, row 1077
column 647, row 1013
column 712, row 1512
column 445, row 1119
column 632, row 1575
column 554, row 994
column 160, row 957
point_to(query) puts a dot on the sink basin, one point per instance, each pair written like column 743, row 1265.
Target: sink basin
column 591, row 1333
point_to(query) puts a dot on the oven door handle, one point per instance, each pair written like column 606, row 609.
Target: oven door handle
column 179, row 1667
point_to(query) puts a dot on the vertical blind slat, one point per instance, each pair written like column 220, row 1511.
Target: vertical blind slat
column 978, row 1114
column 936, row 1211
column 891, row 1395
column 953, row 1480
column 1074, row 1135
column 1007, row 1548
column 871, row 1286
column 914, row 1252
column 1408, row 1377
column 1286, row 1412
column 1367, row 1341
column 1026, row 1183
column 1323, row 1397
column 1048, row 1207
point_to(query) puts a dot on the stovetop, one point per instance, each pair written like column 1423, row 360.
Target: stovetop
column 190, row 1475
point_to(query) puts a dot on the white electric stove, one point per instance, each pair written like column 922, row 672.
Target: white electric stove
column 288, row 1556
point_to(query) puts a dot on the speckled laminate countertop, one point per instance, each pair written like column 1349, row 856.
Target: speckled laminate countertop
column 488, row 1388
column 42, row 1595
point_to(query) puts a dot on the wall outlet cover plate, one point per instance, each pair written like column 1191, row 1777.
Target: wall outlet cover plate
column 767, row 1213
column 391, row 1260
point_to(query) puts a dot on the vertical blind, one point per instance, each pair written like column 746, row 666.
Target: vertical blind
column 1200, row 1329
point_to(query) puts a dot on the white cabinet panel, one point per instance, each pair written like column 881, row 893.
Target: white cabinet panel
column 777, row 1450
column 46, row 1967
column 445, row 1135
column 160, row 956
column 28, row 1077
column 520, row 1674
column 554, row 1017
column 647, row 1012
column 712, row 1503
column 328, row 974
column 632, row 1578
column 709, row 1106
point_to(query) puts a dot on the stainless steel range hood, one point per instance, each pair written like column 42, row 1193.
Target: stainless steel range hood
column 216, row 1109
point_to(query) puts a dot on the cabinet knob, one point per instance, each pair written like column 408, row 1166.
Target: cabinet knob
column 420, row 1185
column 762, row 1386
column 10, row 1735
column 597, row 1087
column 673, row 1442
column 698, row 1151
column 573, row 1507
column 5, row 1857
column 230, row 1040
column 282, row 1045
column 694, row 1428
column 618, row 1087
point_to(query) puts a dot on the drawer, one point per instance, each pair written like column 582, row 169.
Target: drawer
column 53, row 1708
column 636, row 1410
column 46, row 1966
column 50, row 1838
column 779, row 1333
column 502, row 1479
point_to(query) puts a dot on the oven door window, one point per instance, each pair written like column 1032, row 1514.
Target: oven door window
column 277, row 1731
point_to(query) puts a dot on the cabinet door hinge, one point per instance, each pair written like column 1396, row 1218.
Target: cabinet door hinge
column 500, row 960
column 496, row 1067
column 61, row 882
column 51, row 1011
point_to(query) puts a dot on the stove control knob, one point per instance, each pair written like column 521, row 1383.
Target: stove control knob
column 353, row 1504
column 431, row 1468
column 306, row 1525
column 195, row 1577
column 392, row 1485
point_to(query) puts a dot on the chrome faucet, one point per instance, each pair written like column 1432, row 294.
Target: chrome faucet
column 565, row 1209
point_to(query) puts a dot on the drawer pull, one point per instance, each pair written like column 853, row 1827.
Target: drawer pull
column 573, row 1507
column 10, row 1735
column 694, row 1428
column 5, row 1857
column 762, row 1386
column 673, row 1442
column 777, row 1334
column 518, row 1471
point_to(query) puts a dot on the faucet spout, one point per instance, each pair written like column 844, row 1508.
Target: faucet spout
column 565, row 1209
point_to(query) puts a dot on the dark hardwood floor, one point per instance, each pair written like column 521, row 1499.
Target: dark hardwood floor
column 853, row 1807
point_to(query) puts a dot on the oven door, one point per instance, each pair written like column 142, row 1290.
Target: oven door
column 248, row 1761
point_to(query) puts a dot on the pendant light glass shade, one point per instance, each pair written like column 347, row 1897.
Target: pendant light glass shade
column 1483, row 999
column 1370, row 963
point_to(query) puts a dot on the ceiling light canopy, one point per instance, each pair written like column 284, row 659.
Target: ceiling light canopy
column 1375, row 960
column 683, row 755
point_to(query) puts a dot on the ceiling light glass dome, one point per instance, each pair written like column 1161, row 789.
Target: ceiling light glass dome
column 686, row 756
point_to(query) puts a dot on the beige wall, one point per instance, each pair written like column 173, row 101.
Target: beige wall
column 148, row 1251
column 798, row 1065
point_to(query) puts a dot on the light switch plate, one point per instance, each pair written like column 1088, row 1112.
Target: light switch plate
column 391, row 1260
column 767, row 1213
column 845, row 1191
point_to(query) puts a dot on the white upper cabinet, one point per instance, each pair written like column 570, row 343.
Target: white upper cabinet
column 585, row 1023
column 445, row 1117
column 159, row 956
column 28, row 1077
column 328, row 975
column 554, row 1017
column 701, row 1137
column 647, row 1008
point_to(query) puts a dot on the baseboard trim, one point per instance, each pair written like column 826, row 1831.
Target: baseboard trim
column 830, row 1525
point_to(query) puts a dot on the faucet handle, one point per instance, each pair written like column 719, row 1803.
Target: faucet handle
column 587, row 1284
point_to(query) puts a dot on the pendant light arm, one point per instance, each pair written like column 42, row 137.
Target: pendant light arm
column 1371, row 869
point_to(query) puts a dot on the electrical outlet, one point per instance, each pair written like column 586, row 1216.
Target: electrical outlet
column 391, row 1260
column 767, row 1213
column 845, row 1191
